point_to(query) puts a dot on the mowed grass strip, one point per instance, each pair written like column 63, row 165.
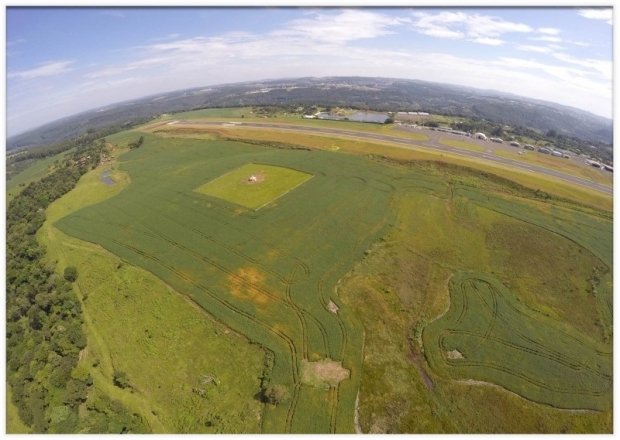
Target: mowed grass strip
column 567, row 166
column 237, row 187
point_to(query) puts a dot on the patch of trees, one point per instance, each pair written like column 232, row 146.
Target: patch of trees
column 44, row 333
column 268, row 144
column 136, row 144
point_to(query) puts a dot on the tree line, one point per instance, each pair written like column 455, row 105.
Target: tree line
column 44, row 334
column 19, row 162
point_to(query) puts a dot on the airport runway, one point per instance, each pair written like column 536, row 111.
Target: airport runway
column 432, row 143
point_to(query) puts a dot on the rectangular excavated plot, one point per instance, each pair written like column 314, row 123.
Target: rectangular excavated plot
column 237, row 186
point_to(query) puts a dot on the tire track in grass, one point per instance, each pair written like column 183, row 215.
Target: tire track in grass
column 534, row 348
column 283, row 279
column 334, row 397
column 257, row 238
column 271, row 329
column 557, row 329
column 512, row 372
column 300, row 317
column 493, row 309
column 298, row 310
column 157, row 235
column 561, row 359
column 552, row 354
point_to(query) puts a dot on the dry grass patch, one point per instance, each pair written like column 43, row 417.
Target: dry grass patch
column 323, row 373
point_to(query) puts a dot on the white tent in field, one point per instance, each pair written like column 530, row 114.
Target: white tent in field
column 252, row 178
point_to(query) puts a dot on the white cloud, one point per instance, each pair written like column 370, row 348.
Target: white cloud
column 547, row 38
column 605, row 14
column 346, row 25
column 13, row 43
column 568, row 75
column 549, row 31
column 489, row 41
column 477, row 28
column 49, row 69
column 604, row 68
column 119, row 69
column 539, row 49
column 167, row 37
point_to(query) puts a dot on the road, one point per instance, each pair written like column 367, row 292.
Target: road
column 432, row 143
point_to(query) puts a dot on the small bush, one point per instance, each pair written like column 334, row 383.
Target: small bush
column 71, row 274
column 121, row 379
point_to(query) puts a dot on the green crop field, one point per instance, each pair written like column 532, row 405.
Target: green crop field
column 268, row 274
column 488, row 335
column 254, row 185
column 271, row 274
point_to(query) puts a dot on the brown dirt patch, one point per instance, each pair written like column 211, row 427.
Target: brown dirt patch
column 251, row 274
column 248, row 289
column 323, row 373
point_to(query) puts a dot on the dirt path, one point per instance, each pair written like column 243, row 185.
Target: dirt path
column 414, row 358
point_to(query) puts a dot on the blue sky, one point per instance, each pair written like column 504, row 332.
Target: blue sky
column 61, row 61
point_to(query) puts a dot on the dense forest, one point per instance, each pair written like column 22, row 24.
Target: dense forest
column 44, row 333
column 382, row 94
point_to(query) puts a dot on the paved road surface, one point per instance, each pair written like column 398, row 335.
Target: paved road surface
column 432, row 142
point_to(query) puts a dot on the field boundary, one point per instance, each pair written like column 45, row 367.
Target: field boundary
column 283, row 194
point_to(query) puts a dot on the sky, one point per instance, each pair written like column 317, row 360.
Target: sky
column 62, row 61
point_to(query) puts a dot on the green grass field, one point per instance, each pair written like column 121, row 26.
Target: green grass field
column 271, row 275
column 271, row 183
column 164, row 342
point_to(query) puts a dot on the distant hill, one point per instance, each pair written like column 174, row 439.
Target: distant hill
column 384, row 94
